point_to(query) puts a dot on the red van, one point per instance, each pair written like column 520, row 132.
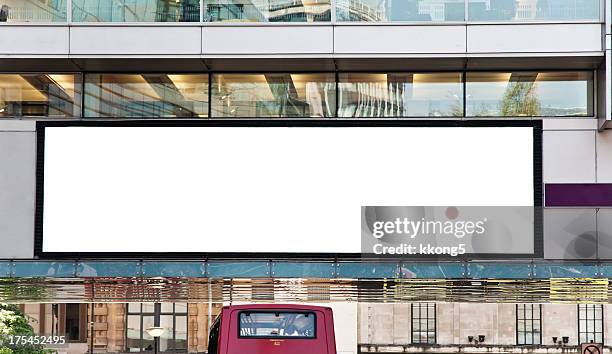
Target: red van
column 273, row 329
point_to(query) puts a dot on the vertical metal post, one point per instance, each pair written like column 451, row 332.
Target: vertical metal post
column 464, row 93
column 91, row 322
column 209, row 306
column 201, row 11
column 69, row 11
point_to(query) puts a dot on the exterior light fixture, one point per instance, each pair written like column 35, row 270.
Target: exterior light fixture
column 156, row 332
column 481, row 338
column 565, row 340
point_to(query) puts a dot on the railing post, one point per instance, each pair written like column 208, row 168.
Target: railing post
column 201, row 11
column 69, row 11
column 332, row 3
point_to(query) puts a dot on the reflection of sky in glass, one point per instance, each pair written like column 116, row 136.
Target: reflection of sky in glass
column 554, row 97
column 35, row 11
column 525, row 10
column 479, row 10
column 400, row 95
column 135, row 11
column 401, row 10
column 267, row 10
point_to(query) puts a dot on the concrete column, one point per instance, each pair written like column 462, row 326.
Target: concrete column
column 445, row 323
column 506, row 324
column 559, row 320
column 402, row 324
column 477, row 319
column 607, row 325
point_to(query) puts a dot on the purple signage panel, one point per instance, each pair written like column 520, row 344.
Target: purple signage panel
column 578, row 194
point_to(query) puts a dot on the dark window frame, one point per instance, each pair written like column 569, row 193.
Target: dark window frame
column 156, row 315
column 420, row 307
column 58, row 322
column 524, row 333
column 590, row 321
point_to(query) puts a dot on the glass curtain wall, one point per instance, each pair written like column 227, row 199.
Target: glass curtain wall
column 478, row 10
column 529, row 94
column 135, row 11
column 40, row 95
column 400, row 10
column 301, row 11
column 33, row 10
column 300, row 95
column 267, row 10
column 146, row 95
column 400, row 95
column 273, row 95
column 530, row 10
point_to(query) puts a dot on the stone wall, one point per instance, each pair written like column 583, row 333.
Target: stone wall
column 390, row 324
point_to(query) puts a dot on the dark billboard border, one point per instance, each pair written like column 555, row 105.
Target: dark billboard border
column 536, row 124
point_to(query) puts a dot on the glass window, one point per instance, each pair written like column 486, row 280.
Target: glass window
column 529, row 10
column 33, row 11
column 590, row 323
column 529, row 324
column 73, row 322
column 400, row 10
column 136, row 11
column 277, row 324
column 273, row 95
column 146, row 95
column 67, row 320
column 172, row 317
column 267, row 11
column 424, row 323
column 400, row 95
column 529, row 94
column 40, row 95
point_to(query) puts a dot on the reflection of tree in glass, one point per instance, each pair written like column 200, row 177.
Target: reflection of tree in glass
column 520, row 100
column 456, row 109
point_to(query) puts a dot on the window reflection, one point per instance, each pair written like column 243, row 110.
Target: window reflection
column 171, row 317
column 529, row 324
column 400, row 95
column 39, row 95
column 136, row 11
column 33, row 10
column 533, row 10
column 590, row 323
column 400, row 10
column 267, row 10
column 273, row 95
column 529, row 94
column 300, row 95
column 133, row 334
column 146, row 95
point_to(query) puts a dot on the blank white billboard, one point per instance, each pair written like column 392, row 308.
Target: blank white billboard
column 264, row 189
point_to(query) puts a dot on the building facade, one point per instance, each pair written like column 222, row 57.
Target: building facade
column 427, row 60
column 364, row 327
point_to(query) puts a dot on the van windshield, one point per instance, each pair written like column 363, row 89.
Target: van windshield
column 277, row 324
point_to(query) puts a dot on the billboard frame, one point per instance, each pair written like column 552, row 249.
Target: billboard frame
column 535, row 124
